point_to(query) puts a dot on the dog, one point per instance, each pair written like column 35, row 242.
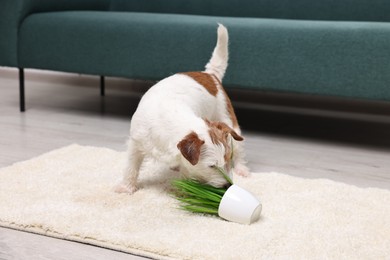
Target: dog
column 187, row 121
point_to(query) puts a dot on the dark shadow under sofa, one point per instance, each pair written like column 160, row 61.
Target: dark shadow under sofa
column 326, row 47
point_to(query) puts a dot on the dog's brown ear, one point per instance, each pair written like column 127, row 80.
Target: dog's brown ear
column 227, row 129
column 224, row 128
column 190, row 147
column 235, row 135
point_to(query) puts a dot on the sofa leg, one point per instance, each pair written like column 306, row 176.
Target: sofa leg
column 102, row 86
column 21, row 90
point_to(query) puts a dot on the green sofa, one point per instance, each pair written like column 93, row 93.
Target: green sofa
column 324, row 47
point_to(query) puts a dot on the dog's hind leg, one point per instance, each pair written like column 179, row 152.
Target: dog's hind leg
column 131, row 172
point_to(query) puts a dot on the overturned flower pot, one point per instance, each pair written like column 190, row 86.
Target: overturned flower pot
column 233, row 203
column 239, row 205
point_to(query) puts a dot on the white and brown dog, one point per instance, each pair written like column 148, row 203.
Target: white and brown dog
column 187, row 121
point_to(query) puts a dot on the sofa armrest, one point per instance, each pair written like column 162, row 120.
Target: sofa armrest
column 12, row 13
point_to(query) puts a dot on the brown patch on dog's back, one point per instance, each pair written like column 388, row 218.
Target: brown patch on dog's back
column 229, row 105
column 230, row 110
column 210, row 83
column 204, row 79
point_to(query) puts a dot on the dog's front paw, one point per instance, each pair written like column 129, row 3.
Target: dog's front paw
column 241, row 170
column 123, row 188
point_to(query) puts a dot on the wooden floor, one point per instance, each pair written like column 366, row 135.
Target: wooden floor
column 342, row 140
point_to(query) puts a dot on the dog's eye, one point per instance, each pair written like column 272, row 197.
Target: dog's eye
column 211, row 166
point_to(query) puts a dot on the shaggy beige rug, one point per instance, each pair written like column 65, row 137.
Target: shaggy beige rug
column 67, row 193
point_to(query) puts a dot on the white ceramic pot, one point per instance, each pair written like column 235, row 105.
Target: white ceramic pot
column 239, row 205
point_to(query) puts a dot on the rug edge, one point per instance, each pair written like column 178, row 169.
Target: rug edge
column 86, row 241
column 56, row 150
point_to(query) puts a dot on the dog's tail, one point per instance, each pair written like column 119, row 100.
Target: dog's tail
column 219, row 60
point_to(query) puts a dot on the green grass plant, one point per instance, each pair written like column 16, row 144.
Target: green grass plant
column 197, row 197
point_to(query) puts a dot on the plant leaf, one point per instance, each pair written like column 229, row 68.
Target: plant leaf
column 197, row 197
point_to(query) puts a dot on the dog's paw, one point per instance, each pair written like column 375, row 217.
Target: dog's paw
column 241, row 170
column 122, row 188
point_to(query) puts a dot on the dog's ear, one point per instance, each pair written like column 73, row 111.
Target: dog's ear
column 236, row 136
column 225, row 129
column 190, row 147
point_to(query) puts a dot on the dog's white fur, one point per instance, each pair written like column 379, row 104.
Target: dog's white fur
column 170, row 111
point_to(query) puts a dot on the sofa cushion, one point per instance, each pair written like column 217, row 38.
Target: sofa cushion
column 343, row 10
column 136, row 45
column 12, row 13
column 350, row 59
